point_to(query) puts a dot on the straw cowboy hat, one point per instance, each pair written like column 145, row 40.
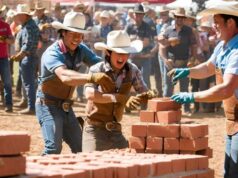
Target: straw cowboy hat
column 105, row 14
column 73, row 21
column 79, row 7
column 23, row 9
column 39, row 6
column 162, row 9
column 120, row 42
column 179, row 12
column 228, row 8
column 189, row 14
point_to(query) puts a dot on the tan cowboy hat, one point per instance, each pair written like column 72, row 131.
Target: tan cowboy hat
column 23, row 9
column 120, row 42
column 180, row 12
column 73, row 21
column 3, row 8
column 228, row 8
column 39, row 6
column 79, row 7
column 105, row 14
column 189, row 14
column 162, row 9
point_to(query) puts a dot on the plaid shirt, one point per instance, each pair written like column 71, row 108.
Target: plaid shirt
column 28, row 37
column 137, row 80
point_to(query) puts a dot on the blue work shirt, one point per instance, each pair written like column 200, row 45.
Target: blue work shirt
column 225, row 57
column 28, row 37
column 54, row 57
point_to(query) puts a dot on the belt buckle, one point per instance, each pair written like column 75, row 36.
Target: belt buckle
column 66, row 106
column 113, row 126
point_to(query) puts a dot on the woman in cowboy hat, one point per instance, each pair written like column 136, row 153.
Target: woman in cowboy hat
column 102, row 130
column 59, row 77
column 224, row 63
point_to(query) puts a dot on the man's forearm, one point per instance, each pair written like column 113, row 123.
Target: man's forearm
column 202, row 71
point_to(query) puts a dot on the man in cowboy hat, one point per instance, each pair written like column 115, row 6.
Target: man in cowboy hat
column 60, row 64
column 26, row 45
column 6, row 38
column 47, row 34
column 102, row 130
column 180, row 46
column 224, row 63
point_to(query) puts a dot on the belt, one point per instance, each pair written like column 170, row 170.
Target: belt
column 110, row 126
column 64, row 104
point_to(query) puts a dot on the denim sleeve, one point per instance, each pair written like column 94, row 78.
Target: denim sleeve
column 89, row 57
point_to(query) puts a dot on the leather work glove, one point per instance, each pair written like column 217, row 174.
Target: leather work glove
column 2, row 39
column 183, row 98
column 133, row 103
column 103, row 80
column 18, row 57
column 145, row 96
column 178, row 73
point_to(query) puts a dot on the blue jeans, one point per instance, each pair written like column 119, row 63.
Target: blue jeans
column 28, row 72
column 58, row 125
column 231, row 157
column 7, row 81
column 166, row 80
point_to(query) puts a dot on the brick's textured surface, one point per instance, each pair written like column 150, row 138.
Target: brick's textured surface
column 206, row 152
column 191, row 163
column 203, row 162
column 137, row 143
column 178, row 165
column 13, row 143
column 164, row 166
column 194, row 144
column 162, row 104
column 171, row 144
column 168, row 117
column 11, row 166
column 147, row 116
column 154, row 143
column 193, row 130
column 159, row 130
column 139, row 130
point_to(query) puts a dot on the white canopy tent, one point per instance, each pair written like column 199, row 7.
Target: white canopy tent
column 186, row 4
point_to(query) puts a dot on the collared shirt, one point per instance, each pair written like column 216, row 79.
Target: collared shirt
column 56, row 56
column 186, row 37
column 137, row 79
column 28, row 37
column 6, row 32
column 225, row 57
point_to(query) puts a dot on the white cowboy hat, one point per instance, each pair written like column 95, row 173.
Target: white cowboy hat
column 120, row 42
column 39, row 6
column 73, row 21
column 228, row 8
column 23, row 9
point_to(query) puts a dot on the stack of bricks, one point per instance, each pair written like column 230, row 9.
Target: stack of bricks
column 118, row 164
column 161, row 131
column 12, row 145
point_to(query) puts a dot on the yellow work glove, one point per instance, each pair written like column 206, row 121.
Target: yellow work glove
column 133, row 103
column 102, row 79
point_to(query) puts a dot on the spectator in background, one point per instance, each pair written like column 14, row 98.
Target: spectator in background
column 27, row 41
column 6, row 38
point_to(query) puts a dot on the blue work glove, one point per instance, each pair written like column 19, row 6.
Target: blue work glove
column 178, row 73
column 183, row 98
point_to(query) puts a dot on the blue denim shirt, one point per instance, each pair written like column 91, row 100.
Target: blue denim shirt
column 29, row 37
column 225, row 57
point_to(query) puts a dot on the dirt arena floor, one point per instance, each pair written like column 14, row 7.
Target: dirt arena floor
column 216, row 122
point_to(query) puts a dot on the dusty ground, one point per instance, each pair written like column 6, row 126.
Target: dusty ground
column 216, row 122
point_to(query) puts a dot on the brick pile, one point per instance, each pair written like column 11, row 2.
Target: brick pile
column 12, row 147
column 161, row 131
column 118, row 164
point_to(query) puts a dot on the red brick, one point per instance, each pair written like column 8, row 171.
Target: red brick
column 139, row 130
column 154, row 143
column 147, row 116
column 164, row 166
column 13, row 143
column 187, row 152
column 203, row 162
column 189, row 176
column 144, row 169
column 206, row 174
column 158, row 130
column 194, row 144
column 162, row 104
column 171, row 144
column 206, row 152
column 171, row 151
column 121, row 170
column 137, row 143
column 11, row 166
column 178, row 165
column 71, row 174
column 191, row 163
column 194, row 130
column 168, row 117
